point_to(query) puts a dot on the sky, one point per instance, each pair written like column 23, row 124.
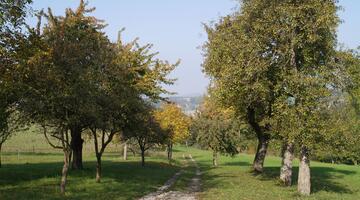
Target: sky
column 175, row 28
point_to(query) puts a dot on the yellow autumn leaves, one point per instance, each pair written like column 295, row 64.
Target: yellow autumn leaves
column 172, row 119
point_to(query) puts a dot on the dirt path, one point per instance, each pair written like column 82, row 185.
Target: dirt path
column 193, row 188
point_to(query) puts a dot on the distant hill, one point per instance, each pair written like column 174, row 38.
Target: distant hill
column 189, row 104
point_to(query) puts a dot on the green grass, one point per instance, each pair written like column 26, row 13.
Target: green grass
column 39, row 177
column 233, row 179
column 188, row 169
column 32, row 169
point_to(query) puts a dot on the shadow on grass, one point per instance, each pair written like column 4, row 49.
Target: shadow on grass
column 120, row 180
column 322, row 178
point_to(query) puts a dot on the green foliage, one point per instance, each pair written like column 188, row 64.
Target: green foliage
column 76, row 77
column 144, row 128
column 273, row 63
column 174, row 122
column 12, row 17
column 217, row 129
column 61, row 76
column 342, row 142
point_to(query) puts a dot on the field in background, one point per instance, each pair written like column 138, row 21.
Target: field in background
column 32, row 140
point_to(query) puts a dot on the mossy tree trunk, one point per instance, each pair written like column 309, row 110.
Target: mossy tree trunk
column 304, row 184
column 287, row 163
column 263, row 141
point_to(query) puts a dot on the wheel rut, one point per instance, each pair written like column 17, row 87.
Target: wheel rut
column 194, row 186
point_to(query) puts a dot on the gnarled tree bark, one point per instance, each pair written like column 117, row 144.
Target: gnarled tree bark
column 304, row 184
column 286, row 164
column 263, row 141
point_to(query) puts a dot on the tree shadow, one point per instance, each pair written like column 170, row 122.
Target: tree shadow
column 322, row 178
column 127, row 180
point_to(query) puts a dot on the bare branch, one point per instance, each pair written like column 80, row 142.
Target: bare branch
column 47, row 139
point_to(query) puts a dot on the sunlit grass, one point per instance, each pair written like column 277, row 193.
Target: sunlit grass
column 232, row 179
column 39, row 177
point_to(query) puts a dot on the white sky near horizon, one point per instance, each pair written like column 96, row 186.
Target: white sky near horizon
column 175, row 29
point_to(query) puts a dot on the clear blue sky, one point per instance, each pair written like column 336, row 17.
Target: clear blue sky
column 175, row 28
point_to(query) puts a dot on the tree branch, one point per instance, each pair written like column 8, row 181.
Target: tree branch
column 47, row 139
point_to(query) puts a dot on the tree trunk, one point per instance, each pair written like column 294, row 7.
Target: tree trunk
column 125, row 151
column 98, row 168
column 286, row 164
column 70, row 156
column 304, row 184
column 263, row 140
column 169, row 151
column 263, row 143
column 143, row 157
column 76, row 146
column 215, row 155
column 355, row 162
column 64, row 172
column 0, row 155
